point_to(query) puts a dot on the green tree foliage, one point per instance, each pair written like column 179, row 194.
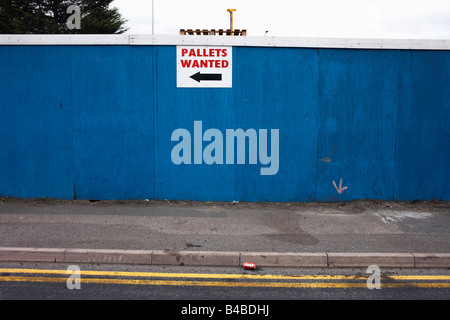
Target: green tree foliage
column 50, row 17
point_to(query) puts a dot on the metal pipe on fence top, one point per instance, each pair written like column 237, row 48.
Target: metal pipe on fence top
column 231, row 18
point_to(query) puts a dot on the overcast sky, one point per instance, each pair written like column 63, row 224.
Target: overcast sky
column 410, row 19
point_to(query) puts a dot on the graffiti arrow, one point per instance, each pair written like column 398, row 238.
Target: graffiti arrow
column 340, row 189
column 207, row 76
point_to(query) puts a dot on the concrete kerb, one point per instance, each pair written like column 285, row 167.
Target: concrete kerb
column 353, row 260
column 213, row 258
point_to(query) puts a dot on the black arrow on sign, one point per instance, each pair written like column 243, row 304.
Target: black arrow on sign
column 207, row 76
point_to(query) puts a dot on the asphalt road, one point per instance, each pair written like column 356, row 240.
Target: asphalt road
column 351, row 227
column 197, row 285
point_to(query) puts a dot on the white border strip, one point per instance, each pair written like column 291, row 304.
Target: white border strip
column 247, row 41
column 34, row 40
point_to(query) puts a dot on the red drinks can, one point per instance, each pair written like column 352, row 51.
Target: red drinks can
column 249, row 265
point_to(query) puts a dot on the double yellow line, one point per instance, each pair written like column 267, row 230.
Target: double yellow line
column 221, row 280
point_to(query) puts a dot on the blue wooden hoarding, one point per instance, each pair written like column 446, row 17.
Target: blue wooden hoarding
column 100, row 122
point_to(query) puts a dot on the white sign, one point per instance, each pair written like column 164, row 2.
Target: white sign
column 204, row 66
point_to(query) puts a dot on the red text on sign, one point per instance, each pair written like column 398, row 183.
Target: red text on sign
column 204, row 63
column 204, row 52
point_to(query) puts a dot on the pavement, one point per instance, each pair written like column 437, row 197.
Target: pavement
column 411, row 234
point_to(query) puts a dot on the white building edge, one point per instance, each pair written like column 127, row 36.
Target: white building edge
column 248, row 41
